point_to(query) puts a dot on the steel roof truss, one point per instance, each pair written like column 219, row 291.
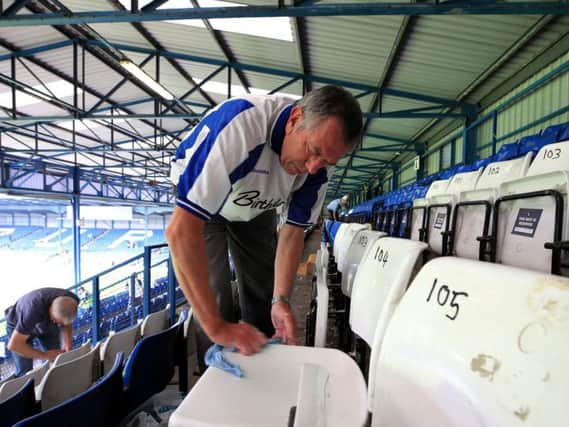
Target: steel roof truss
column 464, row 7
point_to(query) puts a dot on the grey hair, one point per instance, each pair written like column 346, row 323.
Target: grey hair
column 64, row 309
column 329, row 101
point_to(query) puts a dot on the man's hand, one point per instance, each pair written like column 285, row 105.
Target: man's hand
column 284, row 323
column 245, row 337
column 52, row 354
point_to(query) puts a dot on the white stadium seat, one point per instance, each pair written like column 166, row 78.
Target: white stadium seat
column 322, row 297
column 68, row 379
column 68, row 356
column 418, row 215
column 343, row 241
column 121, row 341
column 155, row 322
column 472, row 214
column 381, row 280
column 532, row 211
column 440, row 206
column 11, row 386
column 322, row 384
column 476, row 344
column 363, row 240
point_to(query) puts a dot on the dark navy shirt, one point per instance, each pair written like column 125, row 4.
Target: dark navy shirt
column 30, row 314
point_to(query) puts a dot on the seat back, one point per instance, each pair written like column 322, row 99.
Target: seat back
column 418, row 215
column 527, row 217
column 322, row 296
column 438, row 188
column 476, row 344
column 361, row 242
column 381, row 280
column 150, row 366
column 441, row 205
column 344, row 241
column 475, row 205
column 68, row 356
column 100, row 405
column 155, row 322
column 191, row 346
column 118, row 342
column 20, row 405
column 68, row 379
column 8, row 378
column 11, row 387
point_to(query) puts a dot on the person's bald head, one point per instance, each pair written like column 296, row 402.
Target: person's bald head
column 63, row 310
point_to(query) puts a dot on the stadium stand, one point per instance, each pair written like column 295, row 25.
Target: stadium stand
column 122, row 341
column 440, row 366
column 100, row 405
column 150, row 366
column 64, row 381
column 20, row 405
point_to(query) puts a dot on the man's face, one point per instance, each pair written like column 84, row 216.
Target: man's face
column 55, row 319
column 308, row 150
column 58, row 322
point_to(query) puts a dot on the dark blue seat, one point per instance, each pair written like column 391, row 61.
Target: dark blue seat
column 481, row 163
column 506, row 152
column 564, row 134
column 534, row 143
column 19, row 406
column 557, row 131
column 150, row 366
column 100, row 405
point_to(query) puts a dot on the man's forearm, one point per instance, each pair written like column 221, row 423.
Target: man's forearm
column 67, row 337
column 289, row 251
column 26, row 350
column 188, row 249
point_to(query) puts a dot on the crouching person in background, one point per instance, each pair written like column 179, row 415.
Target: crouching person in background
column 45, row 315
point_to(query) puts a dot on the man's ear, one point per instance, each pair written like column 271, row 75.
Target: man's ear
column 294, row 119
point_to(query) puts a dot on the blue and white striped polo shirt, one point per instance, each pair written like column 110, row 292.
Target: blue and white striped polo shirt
column 230, row 165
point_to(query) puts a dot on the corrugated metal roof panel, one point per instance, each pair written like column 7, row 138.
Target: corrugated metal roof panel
column 351, row 48
column 26, row 37
column 445, row 53
column 264, row 52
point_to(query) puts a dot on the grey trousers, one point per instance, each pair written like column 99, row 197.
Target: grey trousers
column 253, row 247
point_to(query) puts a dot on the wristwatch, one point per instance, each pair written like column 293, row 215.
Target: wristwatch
column 280, row 298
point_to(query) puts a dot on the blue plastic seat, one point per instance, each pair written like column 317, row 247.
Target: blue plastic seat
column 506, row 152
column 533, row 143
column 556, row 131
column 150, row 366
column 482, row 163
column 564, row 134
column 21, row 405
column 100, row 405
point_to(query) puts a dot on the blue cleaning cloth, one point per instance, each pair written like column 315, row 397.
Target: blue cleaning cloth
column 214, row 358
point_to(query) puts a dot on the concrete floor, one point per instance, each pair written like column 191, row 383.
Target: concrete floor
column 302, row 292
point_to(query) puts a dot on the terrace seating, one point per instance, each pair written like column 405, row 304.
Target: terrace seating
column 475, row 344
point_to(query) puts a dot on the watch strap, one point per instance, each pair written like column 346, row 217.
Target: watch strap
column 280, row 298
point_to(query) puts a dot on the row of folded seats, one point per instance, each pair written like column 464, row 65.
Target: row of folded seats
column 445, row 342
column 100, row 385
column 510, row 209
column 442, row 342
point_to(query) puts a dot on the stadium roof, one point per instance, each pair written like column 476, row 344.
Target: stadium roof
column 96, row 95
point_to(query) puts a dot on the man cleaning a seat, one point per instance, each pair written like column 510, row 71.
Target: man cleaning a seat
column 45, row 315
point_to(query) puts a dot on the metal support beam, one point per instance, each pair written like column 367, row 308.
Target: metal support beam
column 277, row 72
column 75, row 202
column 15, row 7
column 224, row 47
column 463, row 7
